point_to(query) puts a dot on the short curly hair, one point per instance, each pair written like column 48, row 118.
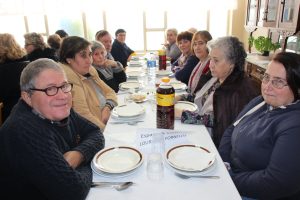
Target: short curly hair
column 186, row 35
column 233, row 50
column 36, row 40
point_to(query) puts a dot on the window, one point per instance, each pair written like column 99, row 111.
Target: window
column 144, row 21
column 94, row 23
column 36, row 23
column 18, row 28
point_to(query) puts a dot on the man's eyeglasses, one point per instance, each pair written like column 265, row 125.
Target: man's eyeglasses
column 276, row 82
column 53, row 90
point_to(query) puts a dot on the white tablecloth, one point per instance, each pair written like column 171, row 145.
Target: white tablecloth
column 170, row 186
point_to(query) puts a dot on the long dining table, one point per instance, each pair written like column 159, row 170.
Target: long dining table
column 169, row 186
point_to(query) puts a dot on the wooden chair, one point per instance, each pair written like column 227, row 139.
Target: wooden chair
column 1, row 106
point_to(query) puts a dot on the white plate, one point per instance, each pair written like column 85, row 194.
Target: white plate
column 163, row 73
column 178, row 85
column 130, row 85
column 209, row 170
column 138, row 97
column 117, row 160
column 129, row 110
column 110, row 175
column 184, row 105
column 127, row 119
column 135, row 73
column 190, row 158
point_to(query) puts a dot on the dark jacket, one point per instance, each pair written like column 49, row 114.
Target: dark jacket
column 229, row 99
column 184, row 74
column 112, row 76
column 39, row 53
column 264, row 152
column 121, row 52
column 32, row 165
column 10, row 73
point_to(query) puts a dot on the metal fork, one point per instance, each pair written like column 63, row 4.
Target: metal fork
column 125, row 122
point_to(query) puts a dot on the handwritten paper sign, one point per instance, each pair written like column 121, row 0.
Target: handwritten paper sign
column 171, row 138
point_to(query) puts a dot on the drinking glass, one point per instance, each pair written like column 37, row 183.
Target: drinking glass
column 158, row 143
column 155, row 167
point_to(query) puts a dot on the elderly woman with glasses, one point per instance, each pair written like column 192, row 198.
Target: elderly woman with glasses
column 46, row 147
column 262, row 146
column 92, row 98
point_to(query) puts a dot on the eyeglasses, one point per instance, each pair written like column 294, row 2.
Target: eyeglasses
column 200, row 43
column 278, row 83
column 53, row 90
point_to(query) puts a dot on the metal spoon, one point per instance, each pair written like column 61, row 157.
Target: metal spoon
column 195, row 176
column 116, row 185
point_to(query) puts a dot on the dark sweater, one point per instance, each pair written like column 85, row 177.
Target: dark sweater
column 264, row 152
column 184, row 74
column 32, row 165
column 112, row 76
column 121, row 52
column 45, row 53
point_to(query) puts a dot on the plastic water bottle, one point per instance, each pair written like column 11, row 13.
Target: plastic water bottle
column 151, row 67
column 151, row 62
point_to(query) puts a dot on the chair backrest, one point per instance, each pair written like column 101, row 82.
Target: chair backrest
column 1, row 106
column 10, row 76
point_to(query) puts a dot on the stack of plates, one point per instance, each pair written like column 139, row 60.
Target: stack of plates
column 117, row 161
column 190, row 160
column 130, row 85
column 135, row 58
column 177, row 85
column 163, row 73
column 135, row 73
column 134, row 63
column 128, row 112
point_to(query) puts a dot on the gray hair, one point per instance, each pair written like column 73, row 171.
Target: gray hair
column 97, row 45
column 173, row 30
column 36, row 40
column 232, row 49
column 32, row 71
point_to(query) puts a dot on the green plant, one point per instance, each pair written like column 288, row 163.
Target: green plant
column 264, row 44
